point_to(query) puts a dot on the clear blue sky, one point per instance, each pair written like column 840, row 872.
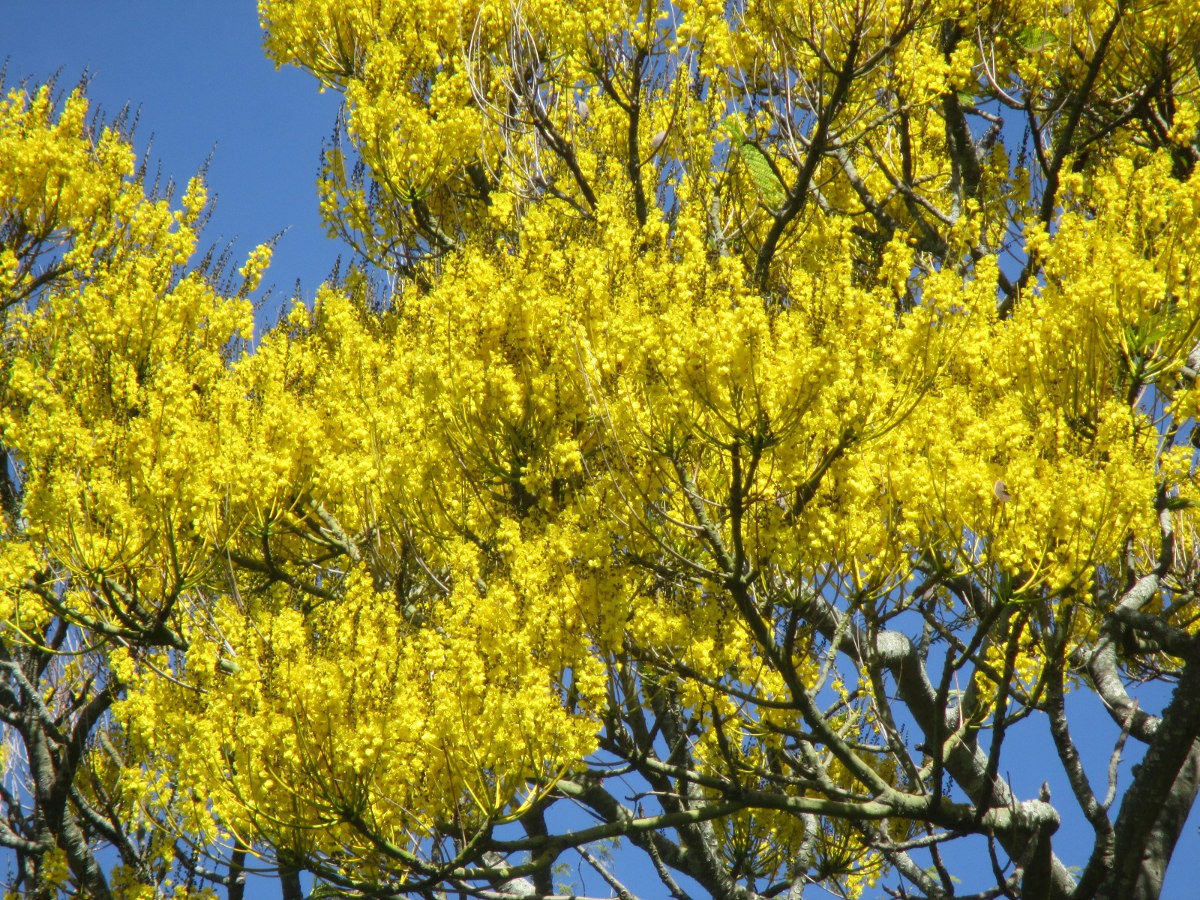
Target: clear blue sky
column 197, row 74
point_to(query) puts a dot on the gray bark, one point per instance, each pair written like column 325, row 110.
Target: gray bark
column 1156, row 798
column 1163, row 836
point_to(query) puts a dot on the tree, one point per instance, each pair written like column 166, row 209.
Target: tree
column 742, row 426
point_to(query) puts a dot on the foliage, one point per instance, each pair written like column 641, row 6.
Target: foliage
column 742, row 425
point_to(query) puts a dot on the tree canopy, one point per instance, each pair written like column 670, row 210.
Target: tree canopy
column 741, row 427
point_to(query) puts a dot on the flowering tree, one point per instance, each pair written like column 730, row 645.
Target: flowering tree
column 743, row 424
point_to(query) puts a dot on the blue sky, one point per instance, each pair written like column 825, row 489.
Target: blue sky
column 205, row 91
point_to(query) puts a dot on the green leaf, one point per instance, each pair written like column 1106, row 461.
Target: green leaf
column 326, row 892
column 733, row 127
column 770, row 189
column 932, row 872
column 1034, row 39
column 765, row 179
column 1178, row 503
